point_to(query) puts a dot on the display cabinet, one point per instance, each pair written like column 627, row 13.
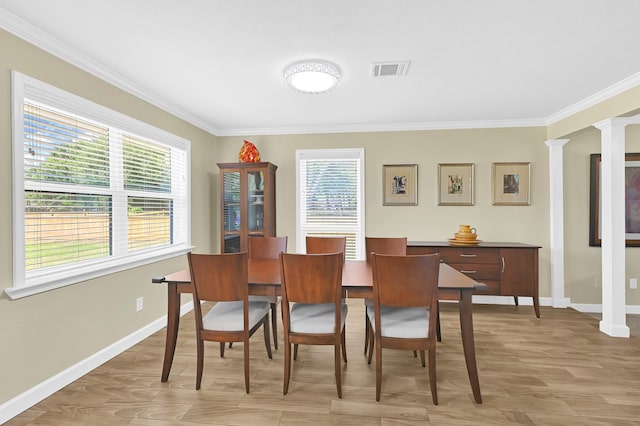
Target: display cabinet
column 247, row 203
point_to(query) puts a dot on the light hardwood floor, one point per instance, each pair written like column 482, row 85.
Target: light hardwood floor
column 557, row 370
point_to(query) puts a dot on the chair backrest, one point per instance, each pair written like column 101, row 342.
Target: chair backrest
column 405, row 280
column 267, row 247
column 219, row 277
column 385, row 245
column 324, row 245
column 311, row 278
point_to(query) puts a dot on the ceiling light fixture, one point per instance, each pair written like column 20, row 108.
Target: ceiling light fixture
column 313, row 76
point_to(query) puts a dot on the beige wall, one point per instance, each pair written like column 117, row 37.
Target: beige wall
column 427, row 220
column 44, row 334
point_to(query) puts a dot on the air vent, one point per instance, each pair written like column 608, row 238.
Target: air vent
column 381, row 69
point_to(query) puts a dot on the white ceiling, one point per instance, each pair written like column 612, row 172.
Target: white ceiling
column 474, row 63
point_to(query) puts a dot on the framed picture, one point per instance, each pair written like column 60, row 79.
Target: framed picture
column 511, row 184
column 400, row 185
column 455, row 184
column 631, row 200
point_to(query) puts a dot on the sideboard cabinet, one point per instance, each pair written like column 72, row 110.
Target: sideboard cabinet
column 247, row 203
column 506, row 269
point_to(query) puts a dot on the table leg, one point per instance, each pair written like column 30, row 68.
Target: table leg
column 173, row 321
column 466, row 328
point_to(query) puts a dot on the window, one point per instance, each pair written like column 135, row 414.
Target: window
column 330, row 197
column 95, row 191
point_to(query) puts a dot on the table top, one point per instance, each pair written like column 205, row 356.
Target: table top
column 355, row 274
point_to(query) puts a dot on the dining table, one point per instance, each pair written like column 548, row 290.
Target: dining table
column 357, row 282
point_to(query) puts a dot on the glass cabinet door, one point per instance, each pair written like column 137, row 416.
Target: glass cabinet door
column 255, row 201
column 232, row 211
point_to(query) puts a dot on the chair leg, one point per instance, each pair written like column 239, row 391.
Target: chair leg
column 287, row 366
column 367, row 326
column 372, row 343
column 274, row 324
column 515, row 299
column 230, row 345
column 267, row 339
column 337, row 366
column 200, row 363
column 432, row 375
column 438, row 332
column 295, row 352
column 246, row 361
column 378, row 369
column 343, row 345
column 222, row 349
column 422, row 358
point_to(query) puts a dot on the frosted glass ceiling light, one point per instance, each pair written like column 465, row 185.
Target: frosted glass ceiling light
column 312, row 76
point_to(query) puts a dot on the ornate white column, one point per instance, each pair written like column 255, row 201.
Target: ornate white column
column 556, row 212
column 612, row 220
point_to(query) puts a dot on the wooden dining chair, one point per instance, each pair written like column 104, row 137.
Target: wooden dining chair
column 405, row 302
column 223, row 278
column 386, row 245
column 324, row 245
column 380, row 245
column 312, row 306
column 268, row 248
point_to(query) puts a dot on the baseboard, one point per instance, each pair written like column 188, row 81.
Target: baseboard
column 32, row 396
column 587, row 308
column 597, row 308
column 508, row 300
column 547, row 301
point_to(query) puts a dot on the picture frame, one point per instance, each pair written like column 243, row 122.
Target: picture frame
column 511, row 184
column 631, row 198
column 400, row 185
column 456, row 184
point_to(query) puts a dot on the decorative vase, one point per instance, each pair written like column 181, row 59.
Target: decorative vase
column 248, row 153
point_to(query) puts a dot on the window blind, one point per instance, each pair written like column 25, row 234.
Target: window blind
column 330, row 196
column 66, row 163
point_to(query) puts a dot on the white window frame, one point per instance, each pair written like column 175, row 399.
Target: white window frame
column 337, row 153
column 26, row 283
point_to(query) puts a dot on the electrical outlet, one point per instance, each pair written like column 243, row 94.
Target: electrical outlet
column 633, row 283
column 139, row 304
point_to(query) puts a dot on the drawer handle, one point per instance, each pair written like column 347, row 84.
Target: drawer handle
column 469, row 272
column 503, row 264
column 468, row 255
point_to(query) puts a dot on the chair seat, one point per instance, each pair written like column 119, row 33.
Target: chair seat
column 229, row 316
column 400, row 322
column 315, row 318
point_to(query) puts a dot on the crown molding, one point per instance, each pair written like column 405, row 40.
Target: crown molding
column 388, row 127
column 31, row 34
column 601, row 96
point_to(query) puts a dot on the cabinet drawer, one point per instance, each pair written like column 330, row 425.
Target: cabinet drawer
column 493, row 288
column 469, row 255
column 478, row 271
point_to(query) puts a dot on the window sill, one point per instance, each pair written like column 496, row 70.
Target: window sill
column 87, row 273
